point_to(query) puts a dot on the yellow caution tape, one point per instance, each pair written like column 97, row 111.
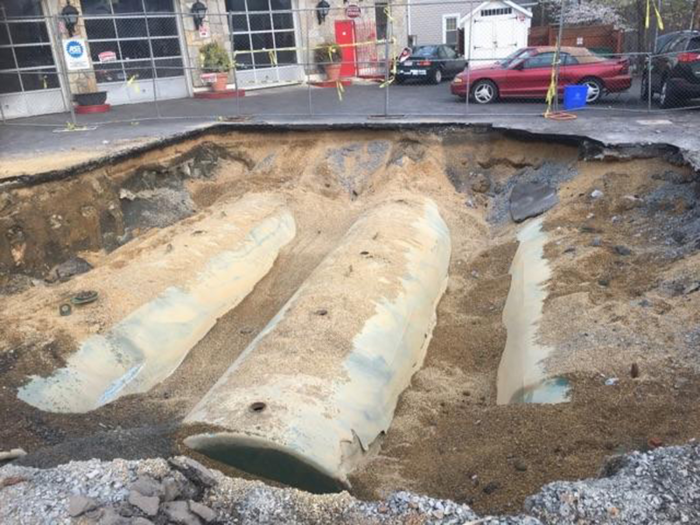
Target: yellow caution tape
column 273, row 56
column 340, row 88
column 552, row 91
column 387, row 12
column 659, row 21
column 132, row 82
column 43, row 80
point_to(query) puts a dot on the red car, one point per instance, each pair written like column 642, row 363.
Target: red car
column 527, row 73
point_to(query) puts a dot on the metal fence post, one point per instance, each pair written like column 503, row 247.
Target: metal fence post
column 467, row 88
column 307, row 60
column 387, row 37
column 649, row 91
column 558, row 56
column 153, row 68
column 64, row 68
column 233, row 64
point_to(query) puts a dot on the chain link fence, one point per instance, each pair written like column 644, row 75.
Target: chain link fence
column 259, row 58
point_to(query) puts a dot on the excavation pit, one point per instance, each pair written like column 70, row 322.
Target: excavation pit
column 621, row 246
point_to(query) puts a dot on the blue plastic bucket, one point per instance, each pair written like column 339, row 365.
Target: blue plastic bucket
column 575, row 97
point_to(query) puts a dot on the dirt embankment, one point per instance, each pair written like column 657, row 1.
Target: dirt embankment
column 624, row 266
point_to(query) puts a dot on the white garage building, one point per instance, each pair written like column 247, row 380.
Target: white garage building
column 494, row 29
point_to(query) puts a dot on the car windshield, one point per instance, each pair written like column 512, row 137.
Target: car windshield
column 425, row 51
column 516, row 55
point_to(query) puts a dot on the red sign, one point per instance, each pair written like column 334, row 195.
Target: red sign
column 107, row 56
column 353, row 11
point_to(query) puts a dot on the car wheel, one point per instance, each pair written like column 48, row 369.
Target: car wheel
column 666, row 96
column 595, row 89
column 484, row 92
column 436, row 76
column 398, row 79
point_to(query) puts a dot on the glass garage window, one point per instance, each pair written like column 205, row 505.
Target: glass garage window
column 262, row 30
column 118, row 33
column 26, row 57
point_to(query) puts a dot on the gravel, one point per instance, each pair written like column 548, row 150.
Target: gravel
column 657, row 487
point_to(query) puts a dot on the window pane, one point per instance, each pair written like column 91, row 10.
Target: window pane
column 7, row 59
column 42, row 79
column 134, row 49
column 17, row 8
column 694, row 44
column 34, row 56
column 29, row 32
column 165, row 47
column 127, row 6
column 258, row 5
column 285, row 39
column 239, row 23
column 139, row 68
column 283, row 21
column 4, row 33
column 236, row 6
column 9, row 83
column 244, row 61
column 131, row 28
column 159, row 6
column 95, row 7
column 100, row 28
column 171, row 67
column 286, row 58
column 262, row 60
column 260, row 22
column 109, row 72
column 99, row 47
column 241, row 42
column 162, row 26
column 262, row 41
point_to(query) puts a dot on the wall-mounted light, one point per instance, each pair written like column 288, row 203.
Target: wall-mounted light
column 70, row 17
column 199, row 11
column 322, row 10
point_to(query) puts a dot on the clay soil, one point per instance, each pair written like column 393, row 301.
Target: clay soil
column 624, row 266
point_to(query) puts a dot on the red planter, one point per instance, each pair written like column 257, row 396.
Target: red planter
column 220, row 83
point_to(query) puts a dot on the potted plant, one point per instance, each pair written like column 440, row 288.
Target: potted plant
column 87, row 97
column 216, row 64
column 329, row 59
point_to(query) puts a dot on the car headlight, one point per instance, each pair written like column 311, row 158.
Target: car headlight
column 457, row 80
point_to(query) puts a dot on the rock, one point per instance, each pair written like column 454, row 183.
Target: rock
column 596, row 194
column 111, row 517
column 678, row 237
column 481, row 183
column 170, row 489
column 597, row 241
column 179, row 512
column 70, row 268
column 146, row 486
column 141, row 521
column 604, row 281
column 202, row 511
column 611, row 381
column 634, row 371
column 622, row 250
column 79, row 505
column 520, row 465
column 528, row 199
column 193, row 470
column 691, row 288
column 654, row 442
column 491, row 487
column 673, row 177
column 12, row 454
column 12, row 480
column 146, row 504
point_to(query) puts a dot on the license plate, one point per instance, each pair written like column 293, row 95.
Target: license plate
column 418, row 72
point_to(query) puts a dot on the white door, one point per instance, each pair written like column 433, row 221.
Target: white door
column 484, row 42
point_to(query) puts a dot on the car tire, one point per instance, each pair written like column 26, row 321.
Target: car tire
column 596, row 89
column 666, row 95
column 398, row 79
column 484, row 92
column 436, row 76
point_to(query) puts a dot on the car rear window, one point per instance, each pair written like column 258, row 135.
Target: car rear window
column 694, row 44
column 425, row 51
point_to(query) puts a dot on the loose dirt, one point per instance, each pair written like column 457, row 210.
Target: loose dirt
column 607, row 309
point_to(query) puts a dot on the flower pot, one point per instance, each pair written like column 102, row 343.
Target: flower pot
column 96, row 98
column 333, row 72
column 220, row 83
